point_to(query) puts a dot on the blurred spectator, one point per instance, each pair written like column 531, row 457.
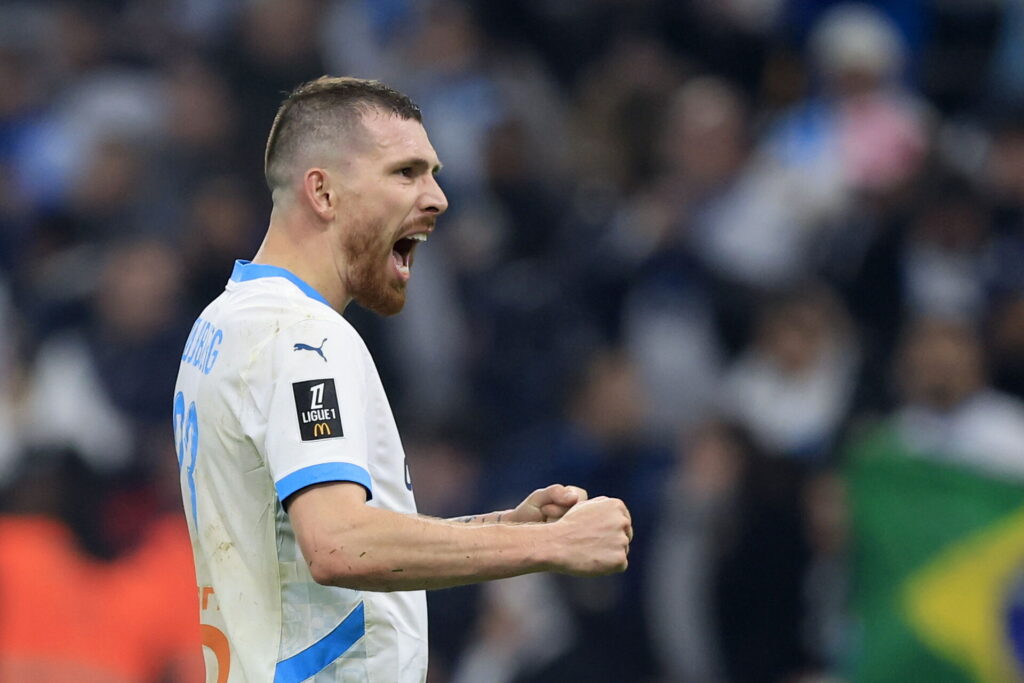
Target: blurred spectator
column 609, row 233
column 271, row 47
column 861, row 133
column 946, row 261
column 524, row 633
column 669, row 333
column 220, row 227
column 792, row 388
column 598, row 444
column 87, row 152
column 100, row 387
column 364, row 37
column 72, row 616
column 202, row 131
column 448, row 78
column 621, row 98
column 948, row 410
column 728, row 564
column 670, row 321
column 935, row 495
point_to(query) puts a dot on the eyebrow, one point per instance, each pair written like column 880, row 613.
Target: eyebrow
column 420, row 163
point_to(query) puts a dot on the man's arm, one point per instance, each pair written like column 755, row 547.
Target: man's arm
column 351, row 544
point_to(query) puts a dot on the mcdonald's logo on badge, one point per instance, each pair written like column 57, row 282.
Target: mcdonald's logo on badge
column 316, row 408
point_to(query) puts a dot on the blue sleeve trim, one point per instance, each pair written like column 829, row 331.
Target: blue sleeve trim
column 324, row 472
column 315, row 658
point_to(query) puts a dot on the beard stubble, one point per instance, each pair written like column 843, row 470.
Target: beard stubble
column 370, row 280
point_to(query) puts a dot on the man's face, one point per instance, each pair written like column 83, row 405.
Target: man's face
column 942, row 366
column 389, row 200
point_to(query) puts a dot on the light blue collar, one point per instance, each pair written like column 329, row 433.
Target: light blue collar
column 246, row 270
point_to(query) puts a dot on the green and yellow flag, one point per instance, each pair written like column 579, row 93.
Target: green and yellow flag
column 938, row 568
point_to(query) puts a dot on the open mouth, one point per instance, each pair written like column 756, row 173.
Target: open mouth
column 402, row 251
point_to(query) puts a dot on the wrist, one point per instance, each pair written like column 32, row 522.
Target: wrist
column 548, row 548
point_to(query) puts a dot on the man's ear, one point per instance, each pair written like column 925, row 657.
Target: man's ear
column 316, row 187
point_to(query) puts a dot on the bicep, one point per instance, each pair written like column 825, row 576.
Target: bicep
column 324, row 503
column 320, row 515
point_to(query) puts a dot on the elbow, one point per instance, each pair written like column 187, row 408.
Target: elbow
column 343, row 571
column 334, row 571
column 326, row 573
column 338, row 556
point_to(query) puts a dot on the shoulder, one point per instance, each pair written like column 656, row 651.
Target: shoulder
column 307, row 344
column 319, row 332
column 278, row 329
column 278, row 311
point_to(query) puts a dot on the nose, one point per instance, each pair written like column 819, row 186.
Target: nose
column 433, row 199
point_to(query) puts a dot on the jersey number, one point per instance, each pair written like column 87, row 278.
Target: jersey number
column 217, row 642
column 186, row 441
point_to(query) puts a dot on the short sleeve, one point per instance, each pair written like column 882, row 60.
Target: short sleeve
column 316, row 423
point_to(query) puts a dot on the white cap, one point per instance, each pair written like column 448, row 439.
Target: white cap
column 855, row 36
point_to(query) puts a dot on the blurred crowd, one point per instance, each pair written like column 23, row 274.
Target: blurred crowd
column 699, row 256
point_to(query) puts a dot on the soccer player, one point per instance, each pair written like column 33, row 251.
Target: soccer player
column 310, row 558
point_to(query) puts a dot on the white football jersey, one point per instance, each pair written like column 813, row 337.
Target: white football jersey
column 276, row 391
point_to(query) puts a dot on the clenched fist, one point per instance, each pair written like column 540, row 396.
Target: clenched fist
column 547, row 504
column 593, row 538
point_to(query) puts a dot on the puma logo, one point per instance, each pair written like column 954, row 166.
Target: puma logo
column 307, row 347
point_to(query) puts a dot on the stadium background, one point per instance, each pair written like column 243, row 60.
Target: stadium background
column 753, row 266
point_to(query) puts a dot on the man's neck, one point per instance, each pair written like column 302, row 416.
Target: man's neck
column 303, row 251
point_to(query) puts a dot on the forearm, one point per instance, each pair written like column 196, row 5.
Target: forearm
column 497, row 517
column 381, row 550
